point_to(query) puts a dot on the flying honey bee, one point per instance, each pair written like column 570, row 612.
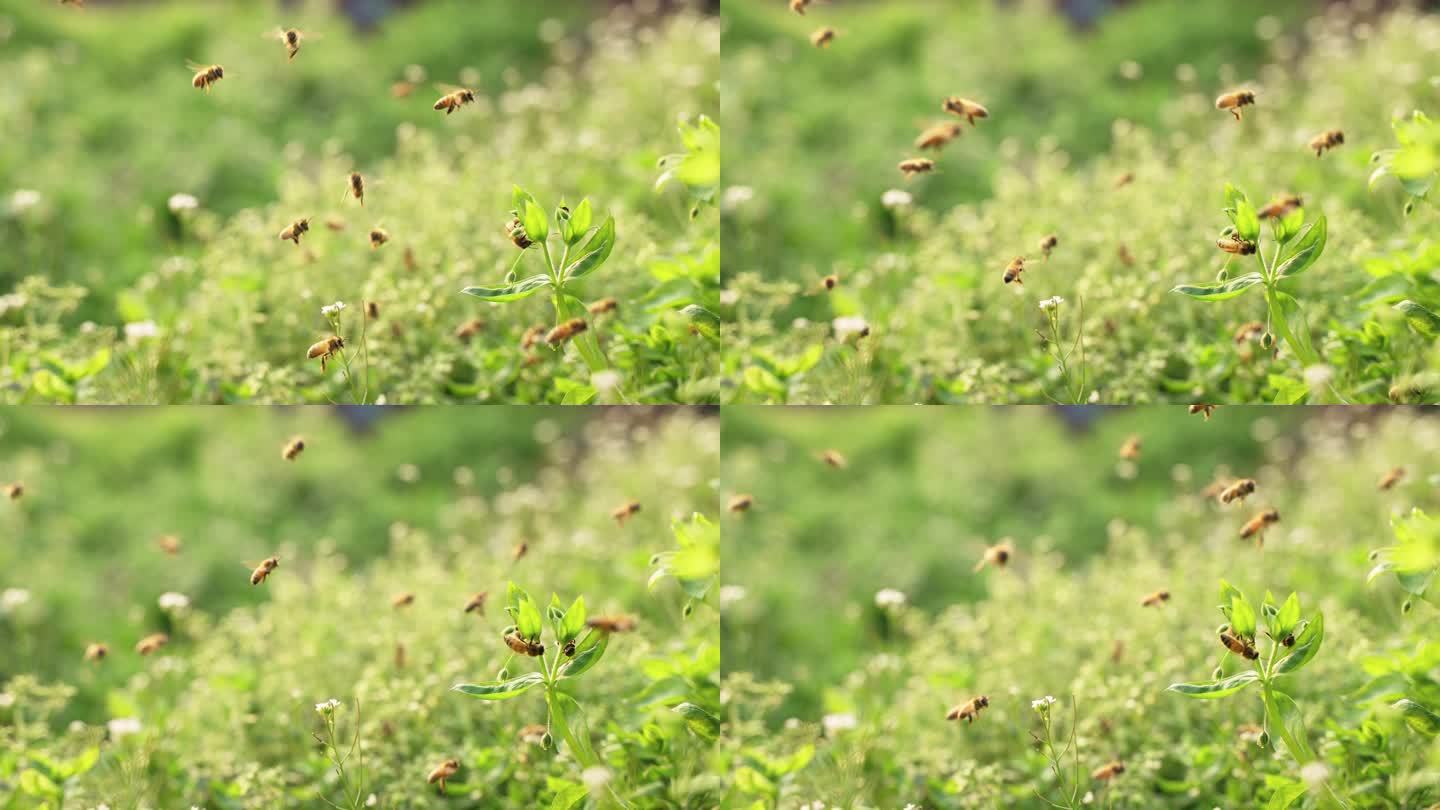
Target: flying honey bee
column 1255, row 527
column 1130, row 449
column 295, row 230
column 965, row 108
column 378, row 237
column 565, row 331
column 1155, row 599
column 355, row 187
column 799, row 6
column 1234, row 100
column 1329, row 139
column 830, row 282
column 468, row 330
column 96, row 652
column 1235, row 245
column 399, row 655
column 401, row 600
column 325, row 349
column 1203, row 408
column 293, row 449
column 151, row 643
column 1014, row 269
column 997, row 555
column 1123, row 253
column 625, row 511
column 937, row 136
column 409, row 258
column 335, row 224
column 476, row 603
column 834, row 459
column 290, row 38
column 1238, row 645
column 823, row 37
column 443, row 771
column 75, row 3
column 531, row 337
column 263, row 570
column 741, row 503
column 1108, row 771
column 611, row 624
column 1248, row 331
column 455, row 99
column 520, row 550
column 1048, row 244
column 169, row 543
column 1281, row 206
column 1124, row 179
column 534, row 649
column 372, row 310
column 1238, row 491
column 1391, row 478
column 969, row 710
column 913, row 166
column 1117, row 651
column 205, row 75
column 15, row 490
column 603, row 306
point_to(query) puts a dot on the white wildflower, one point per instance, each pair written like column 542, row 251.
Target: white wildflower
column 408, row 473
column 1318, row 375
column 736, row 196
column 174, row 601
column 121, row 726
column 182, row 202
column 896, row 198
column 836, row 723
column 23, row 200
column 1088, row 798
column 605, row 381
column 328, row 707
column 332, row 309
column 141, row 330
column 1043, row 704
column 1314, row 774
column 595, row 777
column 13, row 598
column 7, row 700
column 1051, row 303
column 847, row 325
column 889, row 598
column 730, row 594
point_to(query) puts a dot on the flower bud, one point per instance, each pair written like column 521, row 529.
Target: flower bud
column 547, row 741
column 1264, row 741
column 503, row 674
column 1217, row 674
column 1267, row 340
column 1407, row 606
column 688, row 609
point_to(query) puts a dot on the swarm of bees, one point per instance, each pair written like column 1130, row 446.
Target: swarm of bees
column 1329, row 139
column 293, row 449
column 625, row 511
column 1255, row 527
column 262, row 571
column 1237, row 491
column 325, row 349
column 443, row 771
column 565, row 331
column 997, row 555
column 740, row 503
column 1234, row 100
column 965, row 108
column 1235, row 245
column 1391, row 478
column 1155, row 599
column 969, row 710
column 823, row 37
column 1203, row 408
column 1013, row 271
column 937, row 136
column 913, row 166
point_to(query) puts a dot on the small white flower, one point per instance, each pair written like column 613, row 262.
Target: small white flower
column 183, row 202
column 121, row 726
column 730, row 594
column 6, row 700
column 372, row 800
column 1051, row 303
column 836, row 723
column 23, row 200
column 736, row 196
column 889, row 598
column 13, row 598
column 408, row 473
column 1314, row 774
column 141, row 330
column 847, row 325
column 332, row 309
column 1318, row 375
column 1088, row 798
column 605, row 381
column 1043, row 704
column 896, row 198
column 595, row 777
column 729, row 297
column 328, row 707
column 174, row 601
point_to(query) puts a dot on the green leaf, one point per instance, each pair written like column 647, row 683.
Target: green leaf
column 528, row 622
column 1419, row 318
column 523, row 288
column 595, row 252
column 701, row 723
column 89, row 367
column 579, row 222
column 34, row 783
column 574, row 620
column 48, row 384
column 1306, row 250
column 1220, row 291
column 1247, row 222
column 501, row 690
column 568, row 796
column 1242, row 617
column 537, row 225
column 1287, row 226
column 1288, row 391
column 81, row 763
column 519, row 197
column 1420, row 719
column 1306, row 645
column 587, row 656
column 1288, row 616
column 1232, row 196
column 1216, row 689
column 1285, row 795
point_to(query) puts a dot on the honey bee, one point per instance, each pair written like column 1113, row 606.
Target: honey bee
column 565, row 331
column 741, row 503
column 401, row 600
column 1117, row 651
column 969, row 710
column 611, row 624
column 75, row 3
column 1130, row 449
column 206, row 75
column 468, row 330
column 913, row 166
column 1281, row 206
column 1234, row 100
column 965, row 108
column 1235, row 245
column 1124, row 255
column 937, row 136
column 263, row 570
column 1048, row 244
column 96, row 652
column 1255, row 527
column 476, row 603
column 534, row 649
column 798, row 6
column 455, row 99
column 325, row 349
column 830, row 282
column 1203, row 408
column 295, row 230
column 399, row 655
column 355, row 187
column 169, row 543
column 1155, row 599
column 1014, row 269
column 515, row 229
column 533, row 733
column 409, row 257
column 997, row 555
column 1238, row 490
column 378, row 237
column 443, row 771
column 603, row 306
column 335, row 224
column 15, row 490
column 1238, row 645
column 531, row 337
column 834, row 459
column 290, row 37
column 1248, row 331
column 1329, row 139
column 1391, row 478
column 1124, row 179
column 624, row 511
column 823, row 37
column 372, row 310
column 402, row 89
column 293, row 449
column 1108, row 771
column 520, row 550
column 151, row 643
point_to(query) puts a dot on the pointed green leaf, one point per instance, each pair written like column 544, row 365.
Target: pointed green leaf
column 1247, row 222
column 595, row 252
column 523, row 288
column 1420, row 719
column 701, row 723
column 1242, row 617
column 527, row 621
column 1306, row 250
column 574, row 620
column 500, row 690
column 1288, row 616
column 1306, row 645
column 1216, row 689
column 537, row 225
column 579, row 222
column 588, row 655
column 1285, row 795
column 1220, row 291
column 1419, row 318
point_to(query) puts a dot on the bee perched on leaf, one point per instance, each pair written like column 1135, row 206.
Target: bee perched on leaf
column 456, row 98
column 938, row 136
column 523, row 646
column 969, row 710
column 1234, row 100
column 565, row 331
column 1237, row 491
column 1238, row 645
column 1255, row 527
column 1155, row 599
column 1391, row 478
column 1108, row 771
column 1013, row 271
column 823, row 37
column 965, row 108
column 1329, row 139
column 913, row 166
column 206, row 75
column 325, row 349
column 1281, row 206
column 295, row 230
column 1235, row 245
column 1202, row 408
column 625, row 511
column 997, row 555
column 515, row 229
column 443, row 771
